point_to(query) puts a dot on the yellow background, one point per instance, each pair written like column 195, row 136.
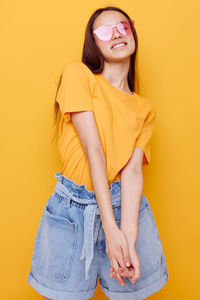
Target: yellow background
column 37, row 38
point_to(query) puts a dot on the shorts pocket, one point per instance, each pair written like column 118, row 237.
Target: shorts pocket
column 54, row 246
column 148, row 243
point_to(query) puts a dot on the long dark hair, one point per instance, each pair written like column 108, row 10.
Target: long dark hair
column 94, row 60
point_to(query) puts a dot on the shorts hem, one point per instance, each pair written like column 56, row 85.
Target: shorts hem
column 58, row 295
column 139, row 294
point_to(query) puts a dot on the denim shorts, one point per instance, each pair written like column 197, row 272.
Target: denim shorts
column 69, row 252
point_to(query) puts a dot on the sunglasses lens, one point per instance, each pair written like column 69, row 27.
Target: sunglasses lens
column 124, row 28
column 104, row 33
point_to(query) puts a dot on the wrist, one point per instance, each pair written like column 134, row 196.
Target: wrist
column 131, row 234
column 109, row 225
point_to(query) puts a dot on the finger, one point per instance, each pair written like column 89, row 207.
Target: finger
column 116, row 270
column 126, row 256
column 128, row 273
column 112, row 272
column 121, row 262
column 123, row 273
column 136, row 274
column 115, row 265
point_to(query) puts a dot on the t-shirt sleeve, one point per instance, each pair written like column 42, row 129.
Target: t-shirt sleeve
column 143, row 139
column 76, row 88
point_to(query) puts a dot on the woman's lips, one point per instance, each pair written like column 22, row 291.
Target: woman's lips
column 121, row 46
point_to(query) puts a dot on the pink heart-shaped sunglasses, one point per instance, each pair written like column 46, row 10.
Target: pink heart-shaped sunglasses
column 105, row 32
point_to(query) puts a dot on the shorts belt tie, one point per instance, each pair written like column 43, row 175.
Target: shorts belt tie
column 90, row 235
column 92, row 221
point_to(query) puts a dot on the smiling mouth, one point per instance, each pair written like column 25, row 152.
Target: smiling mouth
column 120, row 45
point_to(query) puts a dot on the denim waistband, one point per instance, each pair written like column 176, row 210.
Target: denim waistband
column 79, row 193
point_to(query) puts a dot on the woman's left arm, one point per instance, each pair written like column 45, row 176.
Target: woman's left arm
column 131, row 193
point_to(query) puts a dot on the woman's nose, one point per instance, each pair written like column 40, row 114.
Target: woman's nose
column 115, row 32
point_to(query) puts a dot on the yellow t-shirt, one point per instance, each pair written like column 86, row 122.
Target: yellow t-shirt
column 124, row 121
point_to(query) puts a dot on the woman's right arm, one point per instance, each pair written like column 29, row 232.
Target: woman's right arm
column 85, row 125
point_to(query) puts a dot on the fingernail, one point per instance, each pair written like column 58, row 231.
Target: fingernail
column 128, row 264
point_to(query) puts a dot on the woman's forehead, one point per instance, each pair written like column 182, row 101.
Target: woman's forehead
column 109, row 19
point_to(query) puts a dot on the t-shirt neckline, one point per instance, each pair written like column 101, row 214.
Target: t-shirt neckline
column 120, row 92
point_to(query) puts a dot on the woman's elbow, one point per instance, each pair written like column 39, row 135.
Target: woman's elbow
column 134, row 164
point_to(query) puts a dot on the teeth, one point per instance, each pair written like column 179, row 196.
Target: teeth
column 118, row 45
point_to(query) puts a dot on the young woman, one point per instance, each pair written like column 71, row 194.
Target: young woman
column 97, row 223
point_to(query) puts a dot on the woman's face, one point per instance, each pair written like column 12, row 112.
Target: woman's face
column 106, row 47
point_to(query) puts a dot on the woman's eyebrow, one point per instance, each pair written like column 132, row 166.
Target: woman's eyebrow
column 121, row 21
column 124, row 21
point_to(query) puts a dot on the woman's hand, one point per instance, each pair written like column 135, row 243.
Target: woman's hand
column 117, row 249
column 129, row 273
column 133, row 272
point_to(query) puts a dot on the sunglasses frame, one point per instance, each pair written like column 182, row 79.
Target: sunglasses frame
column 112, row 26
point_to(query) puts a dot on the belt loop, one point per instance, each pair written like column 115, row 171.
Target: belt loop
column 68, row 202
column 59, row 176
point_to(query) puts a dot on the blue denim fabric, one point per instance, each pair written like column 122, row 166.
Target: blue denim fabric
column 69, row 252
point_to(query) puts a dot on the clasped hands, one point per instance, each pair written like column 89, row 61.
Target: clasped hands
column 128, row 272
column 121, row 248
